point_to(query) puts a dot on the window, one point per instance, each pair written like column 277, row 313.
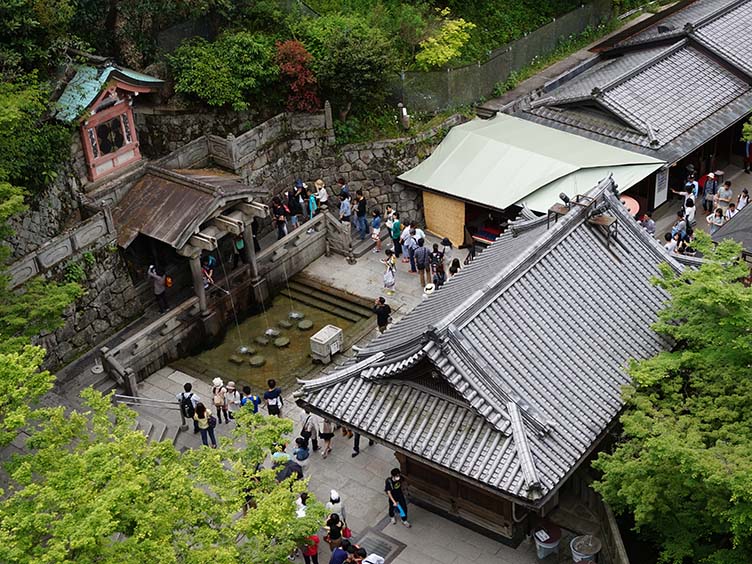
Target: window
column 110, row 136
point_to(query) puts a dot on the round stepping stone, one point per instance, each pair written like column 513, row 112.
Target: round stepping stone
column 235, row 359
column 251, row 351
column 257, row 361
column 262, row 340
column 285, row 324
column 281, row 342
column 305, row 325
column 296, row 315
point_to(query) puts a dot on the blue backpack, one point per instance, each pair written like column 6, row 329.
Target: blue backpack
column 301, row 453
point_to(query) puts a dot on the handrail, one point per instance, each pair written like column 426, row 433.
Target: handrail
column 141, row 398
column 170, row 404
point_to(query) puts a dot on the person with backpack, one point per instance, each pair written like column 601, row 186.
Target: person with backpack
column 157, row 274
column 300, row 453
column 437, row 266
column 206, row 424
column 309, row 427
column 219, row 397
column 188, row 401
column 422, row 262
column 273, row 398
column 232, row 399
column 279, row 215
column 250, row 399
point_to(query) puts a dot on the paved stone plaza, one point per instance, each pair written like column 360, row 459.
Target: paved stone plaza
column 360, row 480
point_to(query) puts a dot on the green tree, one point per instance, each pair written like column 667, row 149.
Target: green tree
column 445, row 44
column 353, row 60
column 92, row 489
column 230, row 71
column 683, row 466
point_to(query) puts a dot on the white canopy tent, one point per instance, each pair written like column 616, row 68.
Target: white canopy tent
column 507, row 160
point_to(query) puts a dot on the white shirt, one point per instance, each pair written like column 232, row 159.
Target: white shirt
column 670, row 246
column 729, row 214
column 194, row 398
column 419, row 234
column 743, row 201
column 322, row 195
column 689, row 214
column 232, row 399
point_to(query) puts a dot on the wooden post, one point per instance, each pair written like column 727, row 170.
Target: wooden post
column 198, row 283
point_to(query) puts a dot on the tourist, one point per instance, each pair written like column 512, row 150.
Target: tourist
column 293, row 203
column 288, row 469
column 360, row 212
column 339, row 554
column 373, row 559
column 344, row 189
column 716, row 220
column 356, row 445
column 232, row 398
column 238, row 251
column 411, row 244
column 273, row 398
column 207, row 270
column 309, row 427
column 688, row 192
column 334, row 526
column 206, row 423
column 725, row 196
column 689, row 211
column 344, row 209
column 390, row 274
column 383, row 313
column 419, row 234
column 395, row 231
column 394, row 488
column 671, row 242
column 376, row 230
column 680, row 225
column 322, row 195
column 301, row 191
column 648, row 223
column 731, row 211
column 742, row 200
column 311, row 550
column 389, row 212
column 422, row 262
column 250, row 399
column 709, row 187
column 326, row 435
column 335, row 505
column 437, row 266
column 404, row 235
column 188, row 401
column 219, row 397
column 747, row 157
column 301, row 453
column 446, row 248
column 454, row 268
column 313, row 204
column 157, row 274
column 279, row 216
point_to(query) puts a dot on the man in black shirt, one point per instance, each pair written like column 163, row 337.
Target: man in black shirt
column 395, row 491
column 361, row 214
column 382, row 311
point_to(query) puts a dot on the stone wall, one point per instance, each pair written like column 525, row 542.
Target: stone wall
column 110, row 302
column 162, row 130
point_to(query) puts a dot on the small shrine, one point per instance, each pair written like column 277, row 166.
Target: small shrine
column 100, row 99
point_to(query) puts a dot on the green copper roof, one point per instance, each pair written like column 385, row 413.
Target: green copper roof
column 86, row 85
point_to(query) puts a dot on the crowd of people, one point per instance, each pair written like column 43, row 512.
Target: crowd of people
column 718, row 207
column 226, row 400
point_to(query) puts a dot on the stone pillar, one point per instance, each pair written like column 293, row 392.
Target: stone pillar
column 198, row 283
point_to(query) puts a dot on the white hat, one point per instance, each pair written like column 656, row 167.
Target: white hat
column 711, row 175
column 333, row 496
column 217, row 382
column 231, row 385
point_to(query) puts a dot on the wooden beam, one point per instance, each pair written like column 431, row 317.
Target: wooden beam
column 202, row 241
column 225, row 223
column 253, row 209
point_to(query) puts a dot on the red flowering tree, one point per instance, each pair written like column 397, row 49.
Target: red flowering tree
column 294, row 65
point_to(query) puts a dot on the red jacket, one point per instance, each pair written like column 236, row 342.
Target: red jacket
column 312, row 548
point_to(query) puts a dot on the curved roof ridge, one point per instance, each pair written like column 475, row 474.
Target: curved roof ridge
column 338, row 376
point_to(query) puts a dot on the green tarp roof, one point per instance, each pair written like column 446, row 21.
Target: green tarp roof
column 507, row 160
column 86, row 85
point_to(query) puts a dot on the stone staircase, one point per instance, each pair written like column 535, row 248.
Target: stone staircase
column 312, row 293
column 360, row 248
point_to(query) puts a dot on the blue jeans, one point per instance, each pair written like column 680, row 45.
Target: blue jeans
column 362, row 227
column 210, row 433
column 411, row 254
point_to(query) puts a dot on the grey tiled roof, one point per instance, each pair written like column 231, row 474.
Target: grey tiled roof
column 660, row 94
column 521, row 374
column 738, row 228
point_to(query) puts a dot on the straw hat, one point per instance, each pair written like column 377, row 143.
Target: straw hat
column 217, row 382
column 319, row 184
column 230, row 385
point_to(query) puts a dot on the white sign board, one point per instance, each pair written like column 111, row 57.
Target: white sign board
column 661, row 187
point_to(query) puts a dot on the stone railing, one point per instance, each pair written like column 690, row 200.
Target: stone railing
column 191, row 155
column 294, row 252
column 94, row 232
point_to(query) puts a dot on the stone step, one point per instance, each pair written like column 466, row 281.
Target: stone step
column 360, row 248
column 309, row 281
column 322, row 295
column 324, row 306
